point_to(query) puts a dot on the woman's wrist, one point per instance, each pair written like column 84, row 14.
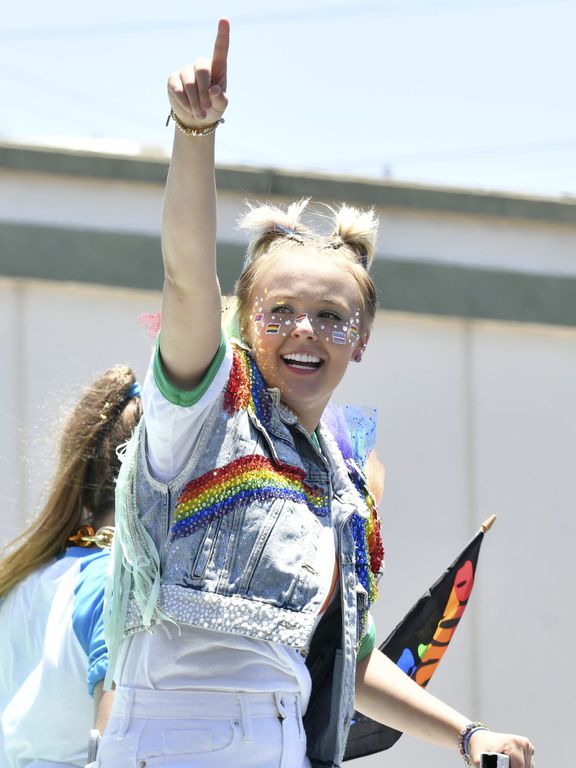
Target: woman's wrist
column 465, row 736
column 193, row 129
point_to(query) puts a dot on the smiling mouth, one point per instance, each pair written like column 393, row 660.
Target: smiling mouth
column 302, row 362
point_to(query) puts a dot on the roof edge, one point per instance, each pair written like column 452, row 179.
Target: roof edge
column 151, row 167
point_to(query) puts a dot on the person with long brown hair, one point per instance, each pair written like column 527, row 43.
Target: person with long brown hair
column 52, row 579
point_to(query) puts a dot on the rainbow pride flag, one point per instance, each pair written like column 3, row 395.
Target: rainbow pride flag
column 420, row 640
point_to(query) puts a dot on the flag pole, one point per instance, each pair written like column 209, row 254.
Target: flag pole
column 488, row 523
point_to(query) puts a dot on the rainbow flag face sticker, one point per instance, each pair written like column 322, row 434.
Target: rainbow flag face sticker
column 339, row 337
column 259, row 317
column 273, row 328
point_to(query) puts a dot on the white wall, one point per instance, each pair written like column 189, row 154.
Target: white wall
column 55, row 339
column 537, row 247
column 475, row 418
column 117, row 206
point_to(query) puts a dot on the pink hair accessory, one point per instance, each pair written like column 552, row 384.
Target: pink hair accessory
column 150, row 322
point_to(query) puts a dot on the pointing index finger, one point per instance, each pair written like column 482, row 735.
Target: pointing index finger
column 220, row 54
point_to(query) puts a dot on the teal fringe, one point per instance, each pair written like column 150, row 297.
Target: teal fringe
column 135, row 560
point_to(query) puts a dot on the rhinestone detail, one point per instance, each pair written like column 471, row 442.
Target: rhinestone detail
column 368, row 544
column 231, row 613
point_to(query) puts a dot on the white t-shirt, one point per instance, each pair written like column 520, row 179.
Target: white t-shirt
column 52, row 654
column 198, row 658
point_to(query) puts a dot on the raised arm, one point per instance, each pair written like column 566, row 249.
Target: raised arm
column 190, row 333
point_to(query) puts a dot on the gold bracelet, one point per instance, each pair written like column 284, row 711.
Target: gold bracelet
column 193, row 131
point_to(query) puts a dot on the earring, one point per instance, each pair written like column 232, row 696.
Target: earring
column 358, row 355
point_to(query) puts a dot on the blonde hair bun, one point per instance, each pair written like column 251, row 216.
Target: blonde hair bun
column 356, row 229
column 266, row 223
column 351, row 227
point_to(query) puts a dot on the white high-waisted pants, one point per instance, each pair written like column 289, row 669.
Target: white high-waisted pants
column 203, row 729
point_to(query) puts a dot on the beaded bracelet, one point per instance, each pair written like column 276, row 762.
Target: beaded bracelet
column 464, row 738
column 193, row 131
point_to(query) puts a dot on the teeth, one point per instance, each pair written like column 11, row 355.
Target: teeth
column 300, row 358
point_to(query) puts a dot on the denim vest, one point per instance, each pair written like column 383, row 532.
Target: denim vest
column 230, row 544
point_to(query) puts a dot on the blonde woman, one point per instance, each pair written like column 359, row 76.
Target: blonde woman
column 248, row 549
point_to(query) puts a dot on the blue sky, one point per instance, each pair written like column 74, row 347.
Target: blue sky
column 469, row 93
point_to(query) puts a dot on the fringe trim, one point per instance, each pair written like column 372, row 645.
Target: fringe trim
column 135, row 561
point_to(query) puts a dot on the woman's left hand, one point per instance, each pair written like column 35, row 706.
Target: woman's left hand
column 197, row 93
column 518, row 748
